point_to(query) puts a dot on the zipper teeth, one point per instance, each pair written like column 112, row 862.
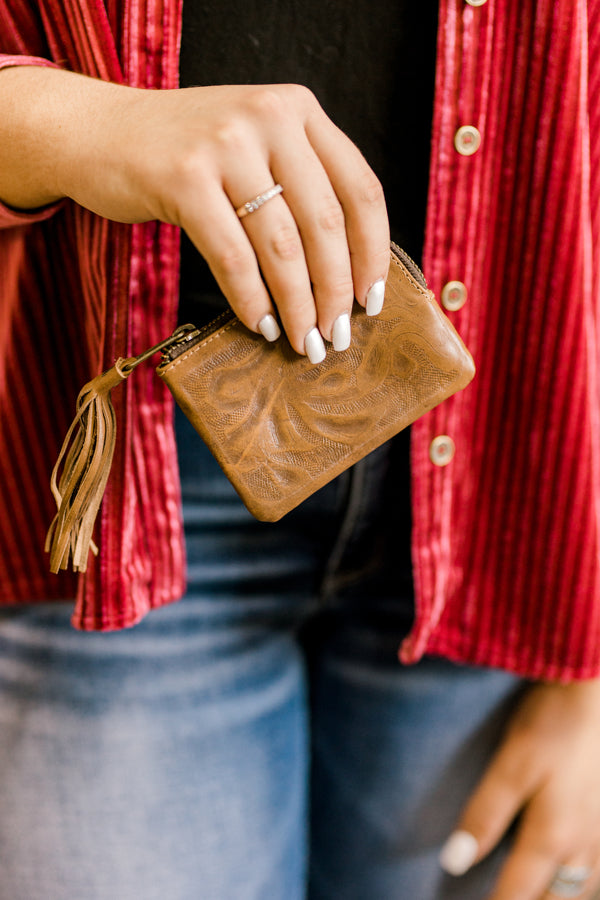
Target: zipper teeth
column 410, row 264
column 198, row 334
column 193, row 337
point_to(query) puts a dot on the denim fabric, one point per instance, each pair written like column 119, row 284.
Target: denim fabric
column 256, row 741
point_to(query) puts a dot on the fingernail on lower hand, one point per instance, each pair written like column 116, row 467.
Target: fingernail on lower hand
column 269, row 328
column 341, row 334
column 459, row 853
column 314, row 346
column 375, row 296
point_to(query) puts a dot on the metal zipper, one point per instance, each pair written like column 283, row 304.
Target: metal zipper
column 187, row 335
column 410, row 264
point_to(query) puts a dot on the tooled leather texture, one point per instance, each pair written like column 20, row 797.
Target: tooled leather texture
column 281, row 427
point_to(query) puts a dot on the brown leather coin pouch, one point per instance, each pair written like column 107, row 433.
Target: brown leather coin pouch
column 279, row 426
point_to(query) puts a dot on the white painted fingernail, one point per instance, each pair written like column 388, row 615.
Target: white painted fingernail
column 269, row 328
column 314, row 346
column 340, row 334
column 375, row 296
column 459, row 853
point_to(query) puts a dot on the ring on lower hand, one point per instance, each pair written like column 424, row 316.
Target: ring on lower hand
column 569, row 881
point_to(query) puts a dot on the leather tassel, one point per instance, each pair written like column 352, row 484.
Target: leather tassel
column 87, row 452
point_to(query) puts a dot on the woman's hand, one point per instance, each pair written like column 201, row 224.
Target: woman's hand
column 191, row 157
column 547, row 769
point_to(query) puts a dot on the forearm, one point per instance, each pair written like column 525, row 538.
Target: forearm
column 46, row 119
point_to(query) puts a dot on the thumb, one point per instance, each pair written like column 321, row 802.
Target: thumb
column 489, row 812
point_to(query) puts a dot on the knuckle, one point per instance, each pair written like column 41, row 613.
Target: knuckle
column 513, row 767
column 302, row 95
column 552, row 838
column 370, row 189
column 339, row 292
column 380, row 261
column 331, row 218
column 233, row 262
column 249, row 305
column 554, row 843
column 286, row 244
column 187, row 170
column 300, row 102
column 266, row 103
column 231, row 135
column 188, row 176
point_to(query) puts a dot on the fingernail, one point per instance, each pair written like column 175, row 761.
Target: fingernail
column 459, row 853
column 340, row 334
column 314, row 346
column 269, row 328
column 375, row 296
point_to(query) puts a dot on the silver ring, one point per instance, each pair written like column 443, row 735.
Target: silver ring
column 252, row 205
column 569, row 881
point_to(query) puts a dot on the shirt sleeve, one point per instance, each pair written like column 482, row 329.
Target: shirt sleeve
column 9, row 217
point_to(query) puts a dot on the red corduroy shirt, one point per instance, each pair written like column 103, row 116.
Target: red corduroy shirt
column 506, row 501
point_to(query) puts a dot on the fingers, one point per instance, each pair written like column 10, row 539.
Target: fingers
column 529, row 870
column 191, row 157
column 298, row 250
column 538, row 873
column 258, row 258
column 491, row 808
column 219, row 236
column 304, row 297
column 555, row 830
column 536, row 868
column 546, row 770
column 305, row 253
column 361, row 197
column 335, row 198
column 321, row 222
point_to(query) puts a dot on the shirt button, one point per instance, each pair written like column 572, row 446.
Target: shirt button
column 476, row 2
column 441, row 450
column 467, row 140
column 454, row 295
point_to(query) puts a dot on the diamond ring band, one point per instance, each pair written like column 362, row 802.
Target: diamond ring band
column 252, row 205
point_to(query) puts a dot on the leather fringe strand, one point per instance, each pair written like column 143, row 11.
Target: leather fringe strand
column 87, row 452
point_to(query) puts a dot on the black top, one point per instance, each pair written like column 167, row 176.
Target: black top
column 371, row 65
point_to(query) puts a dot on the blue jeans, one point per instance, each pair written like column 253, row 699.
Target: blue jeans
column 258, row 740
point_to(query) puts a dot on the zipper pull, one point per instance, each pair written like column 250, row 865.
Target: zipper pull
column 179, row 334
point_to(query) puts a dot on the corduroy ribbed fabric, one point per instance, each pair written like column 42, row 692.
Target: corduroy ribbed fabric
column 506, row 537
column 82, row 292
